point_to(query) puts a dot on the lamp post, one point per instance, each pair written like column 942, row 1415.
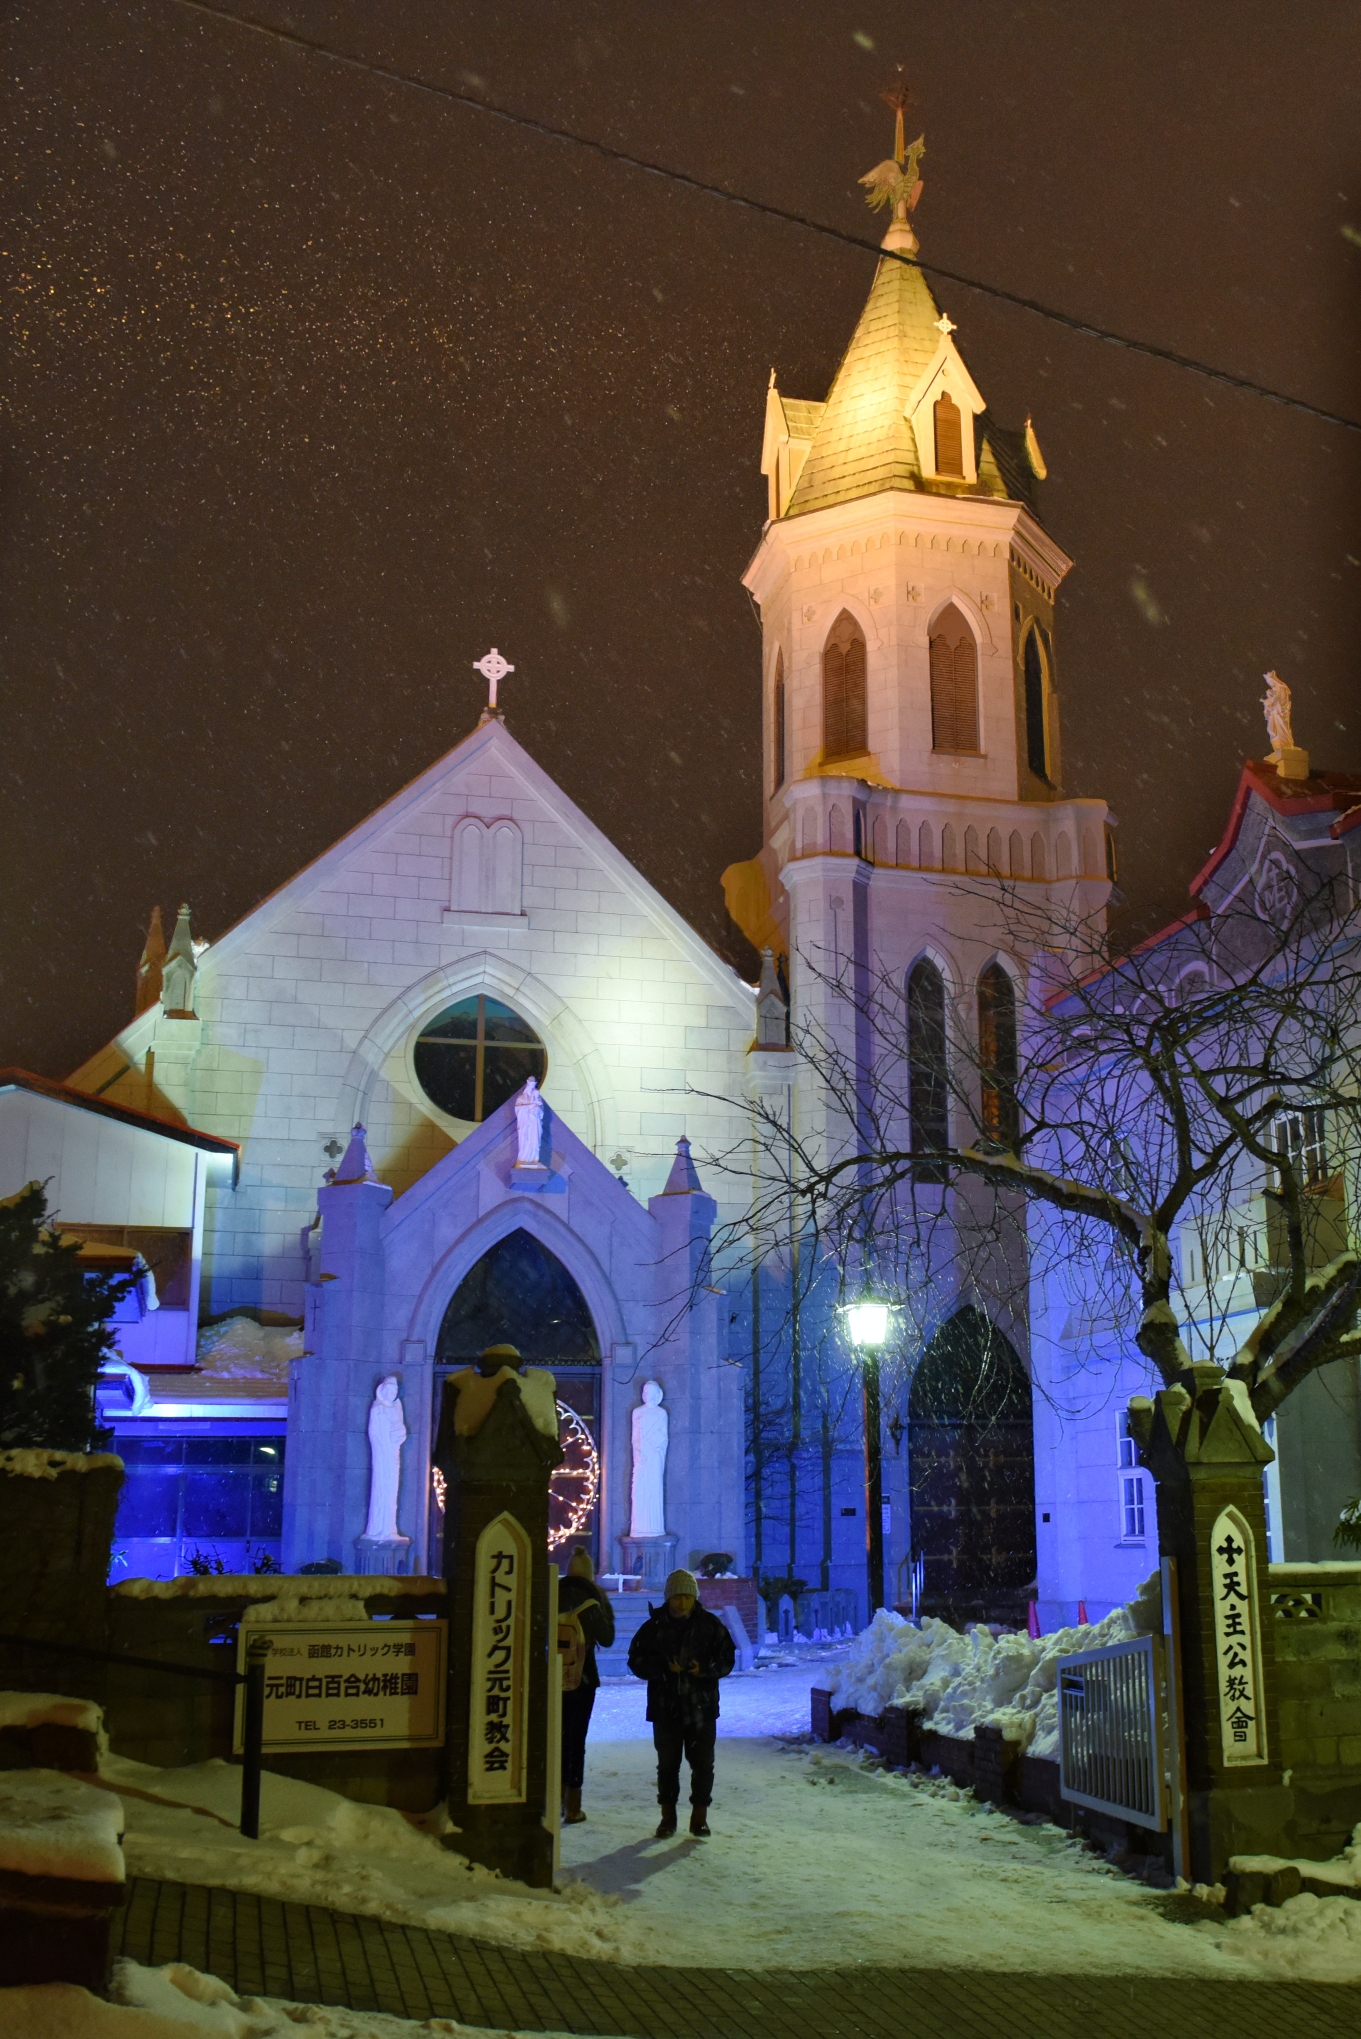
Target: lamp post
column 867, row 1322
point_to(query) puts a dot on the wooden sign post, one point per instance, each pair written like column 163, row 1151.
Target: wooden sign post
column 497, row 1447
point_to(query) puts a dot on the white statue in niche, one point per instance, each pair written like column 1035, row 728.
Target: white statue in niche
column 387, row 1435
column 651, row 1428
column 529, row 1125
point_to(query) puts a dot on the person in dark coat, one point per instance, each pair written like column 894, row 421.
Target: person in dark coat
column 682, row 1650
column 578, row 1594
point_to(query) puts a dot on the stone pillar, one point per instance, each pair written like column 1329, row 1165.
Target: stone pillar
column 497, row 1462
column 705, row 1465
column 1206, row 1452
column 326, row 1470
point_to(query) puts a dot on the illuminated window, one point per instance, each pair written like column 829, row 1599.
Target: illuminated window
column 845, row 726
column 476, row 1054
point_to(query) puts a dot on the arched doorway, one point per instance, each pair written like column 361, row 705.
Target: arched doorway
column 971, row 1460
column 520, row 1294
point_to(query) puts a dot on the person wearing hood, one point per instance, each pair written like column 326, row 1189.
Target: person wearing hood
column 683, row 1650
column 580, row 1597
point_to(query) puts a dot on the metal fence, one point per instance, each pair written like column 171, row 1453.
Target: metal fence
column 1110, row 1730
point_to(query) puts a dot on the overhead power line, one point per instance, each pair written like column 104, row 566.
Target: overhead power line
column 312, row 47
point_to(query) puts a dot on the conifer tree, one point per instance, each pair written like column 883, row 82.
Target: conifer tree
column 54, row 1330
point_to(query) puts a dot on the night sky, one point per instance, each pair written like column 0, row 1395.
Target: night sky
column 317, row 386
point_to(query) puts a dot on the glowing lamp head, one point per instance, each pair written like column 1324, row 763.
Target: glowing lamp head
column 867, row 1324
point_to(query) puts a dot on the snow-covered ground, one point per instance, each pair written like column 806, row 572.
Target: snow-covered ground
column 817, row 1856
column 177, row 2002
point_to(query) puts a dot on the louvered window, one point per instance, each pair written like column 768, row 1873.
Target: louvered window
column 997, row 1055
column 949, row 436
column 1037, row 742
column 777, row 725
column 954, row 684
column 845, row 732
column 928, row 1099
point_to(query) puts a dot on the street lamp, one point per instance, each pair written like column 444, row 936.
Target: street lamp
column 867, row 1325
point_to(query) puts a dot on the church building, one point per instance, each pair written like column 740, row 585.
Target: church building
column 468, row 1079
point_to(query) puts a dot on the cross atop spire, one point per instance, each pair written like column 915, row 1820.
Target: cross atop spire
column 493, row 669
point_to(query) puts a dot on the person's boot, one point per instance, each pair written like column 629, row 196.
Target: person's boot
column 572, row 1813
column 699, row 1826
column 666, row 1825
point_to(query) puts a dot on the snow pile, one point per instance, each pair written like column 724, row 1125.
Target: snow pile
column 962, row 1681
column 316, row 1847
column 37, row 1462
column 53, row 1825
column 1317, row 1937
column 49, row 1709
column 178, row 2002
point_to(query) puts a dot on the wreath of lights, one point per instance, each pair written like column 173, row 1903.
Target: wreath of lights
column 575, row 1484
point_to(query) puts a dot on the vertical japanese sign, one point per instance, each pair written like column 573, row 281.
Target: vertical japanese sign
column 499, row 1672
column 1238, row 1640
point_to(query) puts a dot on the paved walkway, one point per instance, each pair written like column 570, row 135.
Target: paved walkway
column 265, row 1948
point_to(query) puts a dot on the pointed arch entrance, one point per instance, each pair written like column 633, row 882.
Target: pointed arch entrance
column 520, row 1294
column 971, row 1463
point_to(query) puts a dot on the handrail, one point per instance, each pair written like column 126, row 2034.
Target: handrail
column 253, row 1678
column 28, row 1642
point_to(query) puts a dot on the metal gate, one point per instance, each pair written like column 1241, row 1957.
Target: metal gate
column 1111, row 1747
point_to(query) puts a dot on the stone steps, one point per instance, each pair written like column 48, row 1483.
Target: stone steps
column 630, row 1612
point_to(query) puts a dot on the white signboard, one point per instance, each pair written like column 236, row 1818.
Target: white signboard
column 350, row 1684
column 1238, row 1640
column 498, row 1676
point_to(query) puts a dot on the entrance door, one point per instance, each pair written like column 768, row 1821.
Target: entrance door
column 971, row 1457
column 520, row 1294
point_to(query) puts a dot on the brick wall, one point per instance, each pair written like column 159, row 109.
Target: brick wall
column 1317, row 1625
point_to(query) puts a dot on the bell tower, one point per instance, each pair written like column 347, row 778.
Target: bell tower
column 906, row 586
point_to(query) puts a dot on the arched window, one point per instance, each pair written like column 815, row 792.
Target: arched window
column 949, row 436
column 777, row 725
column 997, row 1057
column 1036, row 736
column 954, row 684
column 928, row 1100
column 474, row 1055
column 845, row 726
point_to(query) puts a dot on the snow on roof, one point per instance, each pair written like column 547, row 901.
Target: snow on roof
column 37, row 1462
column 53, row 1825
column 276, row 1586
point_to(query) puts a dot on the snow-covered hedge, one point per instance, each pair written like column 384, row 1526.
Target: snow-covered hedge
column 959, row 1682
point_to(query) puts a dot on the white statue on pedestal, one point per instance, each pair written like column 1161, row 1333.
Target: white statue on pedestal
column 529, row 1125
column 651, row 1427
column 387, row 1435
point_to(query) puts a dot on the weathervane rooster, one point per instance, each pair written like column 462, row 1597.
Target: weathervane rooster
column 895, row 182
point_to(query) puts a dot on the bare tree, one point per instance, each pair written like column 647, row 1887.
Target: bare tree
column 1168, row 1131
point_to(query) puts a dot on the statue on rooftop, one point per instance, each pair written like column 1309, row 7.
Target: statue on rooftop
column 1276, row 708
